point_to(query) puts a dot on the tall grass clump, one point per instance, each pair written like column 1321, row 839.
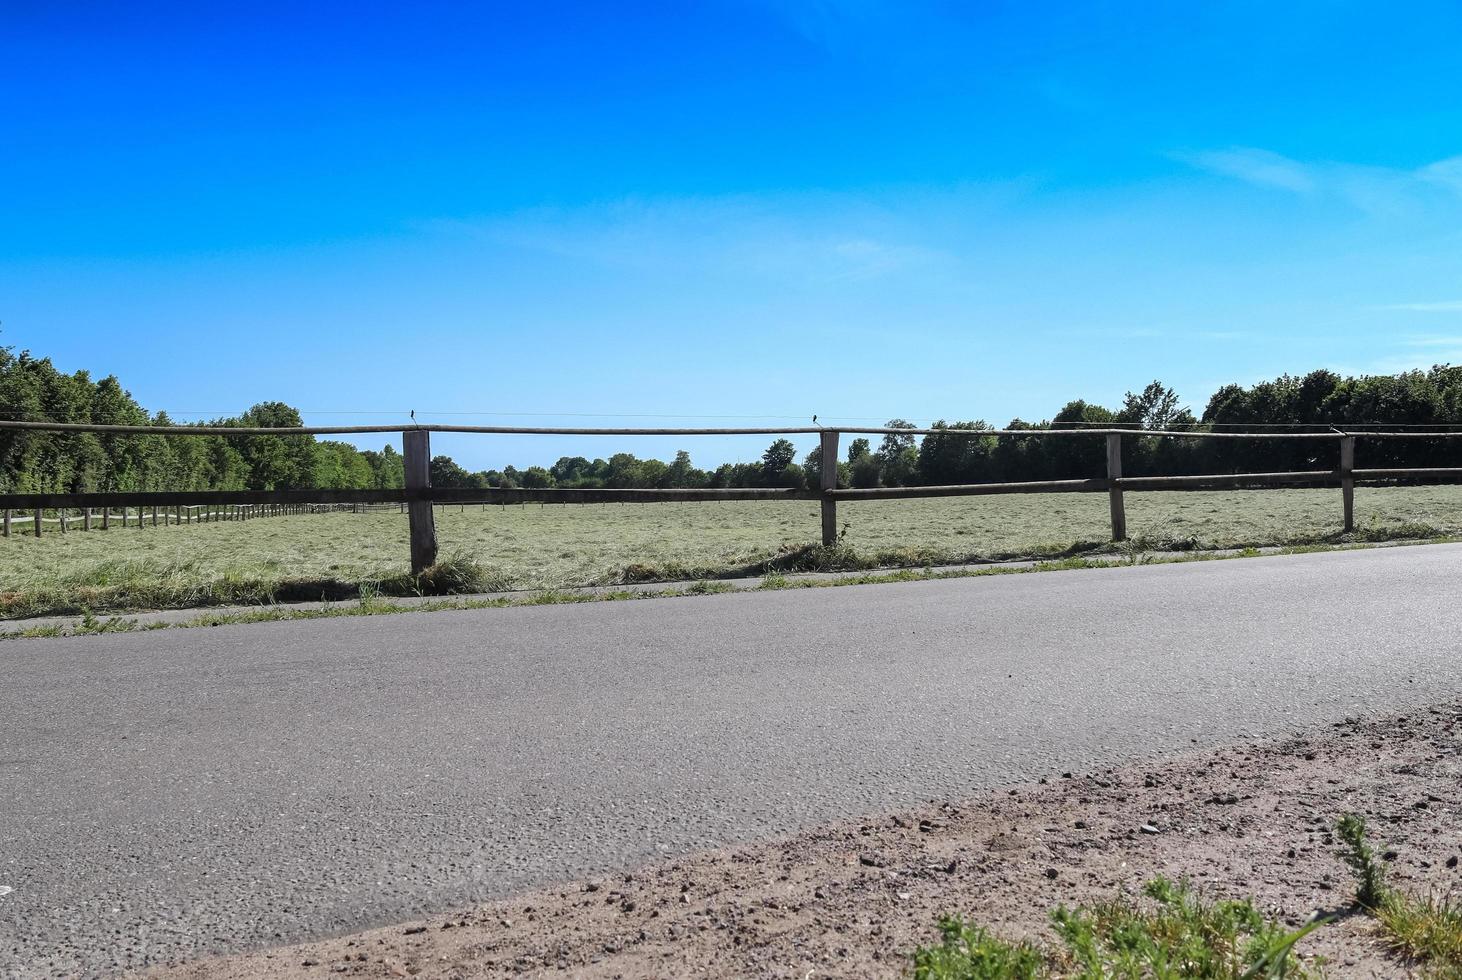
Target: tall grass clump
column 454, row 575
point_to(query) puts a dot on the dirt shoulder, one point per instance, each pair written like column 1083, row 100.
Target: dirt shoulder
column 850, row 900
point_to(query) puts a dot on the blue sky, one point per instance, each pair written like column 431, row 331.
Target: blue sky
column 621, row 213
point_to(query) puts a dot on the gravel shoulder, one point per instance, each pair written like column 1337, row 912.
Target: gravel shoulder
column 851, row 899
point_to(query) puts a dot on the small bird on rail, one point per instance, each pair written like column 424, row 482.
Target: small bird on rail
column 814, row 420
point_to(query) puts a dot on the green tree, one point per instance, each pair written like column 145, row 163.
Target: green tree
column 388, row 468
column 895, row 444
column 865, row 471
column 776, row 461
column 1156, row 407
column 1076, row 458
column 446, row 473
column 537, row 478
column 956, row 458
column 683, row 474
column 276, row 462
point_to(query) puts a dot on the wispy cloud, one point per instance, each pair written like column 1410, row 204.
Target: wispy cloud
column 807, row 240
column 1447, row 173
column 1435, row 340
column 1254, row 166
column 1380, row 191
column 1446, row 306
column 1172, row 332
column 1416, row 352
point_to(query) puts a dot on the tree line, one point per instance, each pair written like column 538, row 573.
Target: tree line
column 33, row 389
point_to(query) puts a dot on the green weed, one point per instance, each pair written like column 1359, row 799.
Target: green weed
column 1174, row 935
column 1370, row 877
column 1428, row 930
column 969, row 952
column 708, row 587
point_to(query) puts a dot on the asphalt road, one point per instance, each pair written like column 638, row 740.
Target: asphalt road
column 189, row 791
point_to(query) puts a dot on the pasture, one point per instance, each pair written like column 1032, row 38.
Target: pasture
column 552, row 546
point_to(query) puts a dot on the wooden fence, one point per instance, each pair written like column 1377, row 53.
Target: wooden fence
column 419, row 495
column 89, row 518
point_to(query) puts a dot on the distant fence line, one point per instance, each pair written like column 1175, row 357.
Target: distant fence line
column 166, row 515
column 103, row 518
column 418, row 496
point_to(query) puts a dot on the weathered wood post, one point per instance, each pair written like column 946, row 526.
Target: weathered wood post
column 86, row 518
column 829, row 483
column 1114, row 487
column 1347, row 481
column 107, row 518
column 154, row 515
column 61, row 516
column 7, row 522
column 416, row 447
column 38, row 522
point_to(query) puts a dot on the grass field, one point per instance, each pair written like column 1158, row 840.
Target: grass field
column 536, row 546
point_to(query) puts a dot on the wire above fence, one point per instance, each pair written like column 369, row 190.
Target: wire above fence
column 329, row 430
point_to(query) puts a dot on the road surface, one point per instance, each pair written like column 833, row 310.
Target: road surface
column 190, row 791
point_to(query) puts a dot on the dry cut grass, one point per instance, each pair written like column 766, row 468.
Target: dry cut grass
column 537, row 546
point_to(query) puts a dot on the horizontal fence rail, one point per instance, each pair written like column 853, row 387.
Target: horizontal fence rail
column 343, row 430
column 418, row 496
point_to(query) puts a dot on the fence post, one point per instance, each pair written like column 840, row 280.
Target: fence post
column 107, row 517
column 154, row 515
column 86, row 519
column 1114, row 488
column 1347, row 481
column 416, row 448
column 829, row 482
column 61, row 516
column 38, row 522
column 7, row 522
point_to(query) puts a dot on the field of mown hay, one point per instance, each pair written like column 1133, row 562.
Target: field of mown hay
column 537, row 546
